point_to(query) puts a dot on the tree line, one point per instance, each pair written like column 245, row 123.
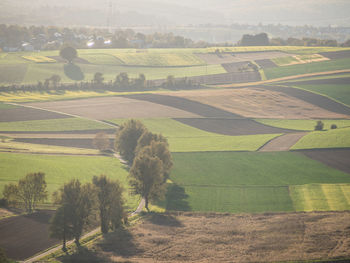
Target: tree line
column 80, row 206
column 262, row 39
column 54, row 37
column 121, row 83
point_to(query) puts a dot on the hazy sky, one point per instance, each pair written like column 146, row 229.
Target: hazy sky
column 184, row 12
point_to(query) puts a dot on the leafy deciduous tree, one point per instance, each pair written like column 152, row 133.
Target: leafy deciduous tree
column 127, row 137
column 77, row 203
column 146, row 177
column 28, row 192
column 110, row 202
column 68, row 53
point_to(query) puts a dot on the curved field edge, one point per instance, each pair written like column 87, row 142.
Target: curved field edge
column 303, row 125
column 185, row 138
column 337, row 138
column 338, row 93
column 61, row 169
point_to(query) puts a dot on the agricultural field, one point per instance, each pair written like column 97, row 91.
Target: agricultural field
column 249, row 149
column 252, row 182
column 313, row 67
column 31, row 67
column 338, row 138
column 64, row 124
column 303, row 125
column 261, row 102
column 60, row 169
column 338, row 92
column 227, row 238
column 186, row 138
column 298, row 59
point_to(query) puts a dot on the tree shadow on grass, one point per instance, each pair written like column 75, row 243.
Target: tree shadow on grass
column 176, row 199
column 83, row 254
column 120, row 242
column 73, row 71
column 164, row 220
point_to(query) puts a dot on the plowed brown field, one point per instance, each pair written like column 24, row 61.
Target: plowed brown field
column 261, row 103
column 113, row 108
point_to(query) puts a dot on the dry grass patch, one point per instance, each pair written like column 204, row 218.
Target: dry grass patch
column 258, row 103
column 231, row 238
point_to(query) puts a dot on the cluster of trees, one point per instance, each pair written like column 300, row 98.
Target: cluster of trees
column 149, row 157
column 262, row 39
column 78, row 205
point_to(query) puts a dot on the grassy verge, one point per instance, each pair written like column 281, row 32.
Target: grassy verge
column 303, row 125
column 61, row 169
column 338, row 138
column 65, row 124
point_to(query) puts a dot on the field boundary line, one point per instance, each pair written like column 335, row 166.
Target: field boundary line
column 63, row 113
column 238, row 85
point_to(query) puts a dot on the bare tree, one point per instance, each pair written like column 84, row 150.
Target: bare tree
column 101, row 141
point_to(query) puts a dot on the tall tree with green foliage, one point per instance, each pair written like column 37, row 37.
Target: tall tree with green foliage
column 158, row 147
column 68, row 53
column 28, row 192
column 77, row 203
column 127, row 137
column 110, row 202
column 146, row 176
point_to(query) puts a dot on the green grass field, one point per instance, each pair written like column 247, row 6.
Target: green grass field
column 28, row 67
column 184, row 138
column 265, row 169
column 39, row 72
column 234, row 199
column 338, row 138
column 321, row 197
column 247, row 182
column 61, row 169
column 303, row 125
column 338, row 92
column 65, row 124
column 279, row 72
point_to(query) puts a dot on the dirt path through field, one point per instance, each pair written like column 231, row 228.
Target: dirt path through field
column 282, row 143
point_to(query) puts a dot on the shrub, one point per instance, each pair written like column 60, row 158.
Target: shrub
column 319, row 126
column 333, row 126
